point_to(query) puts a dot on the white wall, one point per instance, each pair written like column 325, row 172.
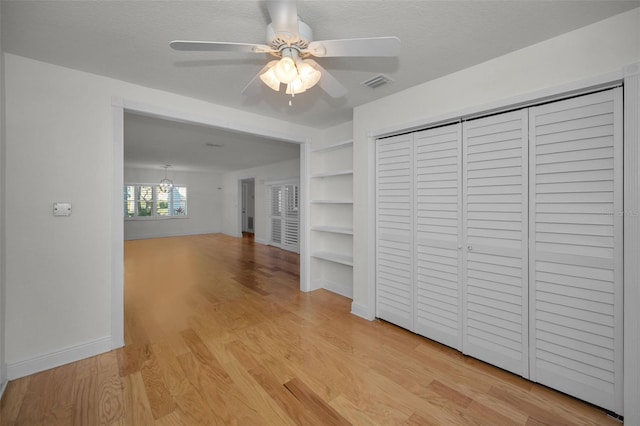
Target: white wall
column 3, row 375
column 204, row 205
column 597, row 49
column 231, row 190
column 60, row 147
column 603, row 48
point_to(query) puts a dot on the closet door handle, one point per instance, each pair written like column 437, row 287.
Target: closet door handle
column 469, row 248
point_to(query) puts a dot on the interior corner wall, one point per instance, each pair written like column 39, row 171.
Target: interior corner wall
column 204, row 205
column 591, row 51
column 59, row 147
column 340, row 133
column 289, row 169
column 3, row 371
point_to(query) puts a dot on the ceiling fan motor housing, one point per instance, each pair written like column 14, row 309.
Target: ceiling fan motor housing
column 282, row 39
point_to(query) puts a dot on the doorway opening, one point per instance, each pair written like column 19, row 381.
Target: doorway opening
column 247, row 206
column 231, row 132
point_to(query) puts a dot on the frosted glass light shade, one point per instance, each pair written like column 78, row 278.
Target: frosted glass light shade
column 269, row 78
column 295, row 87
column 309, row 75
column 286, row 70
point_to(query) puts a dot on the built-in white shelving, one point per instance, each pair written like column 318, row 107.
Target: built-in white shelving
column 334, row 257
column 331, row 201
column 332, row 217
column 339, row 145
column 332, row 174
column 333, row 229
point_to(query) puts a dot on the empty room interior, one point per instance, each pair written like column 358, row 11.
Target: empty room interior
column 311, row 212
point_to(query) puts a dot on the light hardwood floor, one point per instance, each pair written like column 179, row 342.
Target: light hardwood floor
column 218, row 333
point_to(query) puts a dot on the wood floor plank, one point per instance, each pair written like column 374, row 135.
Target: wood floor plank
column 256, row 396
column 171, row 419
column 292, row 406
column 224, row 336
column 12, row 400
column 158, row 395
column 313, row 402
column 137, row 410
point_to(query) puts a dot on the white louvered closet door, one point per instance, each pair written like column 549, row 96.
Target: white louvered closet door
column 495, row 278
column 437, row 224
column 394, row 228
column 576, row 254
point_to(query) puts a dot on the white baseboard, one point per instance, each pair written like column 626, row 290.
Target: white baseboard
column 315, row 285
column 117, row 343
column 260, row 241
column 340, row 288
column 234, row 235
column 166, row 235
column 362, row 311
column 15, row 370
column 3, row 379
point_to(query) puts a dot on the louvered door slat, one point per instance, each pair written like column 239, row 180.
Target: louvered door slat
column 495, row 254
column 437, row 224
column 576, row 247
column 285, row 221
column 394, row 227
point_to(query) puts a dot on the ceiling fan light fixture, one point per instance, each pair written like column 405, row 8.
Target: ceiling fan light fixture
column 308, row 74
column 269, row 78
column 286, row 70
column 295, row 87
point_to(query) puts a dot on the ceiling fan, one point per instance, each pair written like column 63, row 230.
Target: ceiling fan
column 291, row 40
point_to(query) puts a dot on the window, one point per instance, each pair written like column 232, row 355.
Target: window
column 141, row 200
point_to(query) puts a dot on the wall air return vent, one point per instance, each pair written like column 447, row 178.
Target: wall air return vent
column 376, row 81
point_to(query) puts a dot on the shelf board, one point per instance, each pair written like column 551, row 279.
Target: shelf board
column 331, row 147
column 333, row 257
column 330, row 174
column 331, row 201
column 333, row 229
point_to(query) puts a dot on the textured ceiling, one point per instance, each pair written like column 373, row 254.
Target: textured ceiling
column 130, row 41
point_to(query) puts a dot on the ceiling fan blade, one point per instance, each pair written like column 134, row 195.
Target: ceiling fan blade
column 327, row 82
column 371, row 46
column 255, row 85
column 216, row 46
column 284, row 18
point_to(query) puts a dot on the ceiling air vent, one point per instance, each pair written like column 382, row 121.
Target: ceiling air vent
column 376, row 81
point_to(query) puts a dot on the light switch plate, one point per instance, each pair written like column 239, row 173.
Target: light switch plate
column 62, row 209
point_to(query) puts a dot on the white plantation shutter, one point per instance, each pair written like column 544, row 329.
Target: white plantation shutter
column 495, row 253
column 437, row 221
column 291, row 221
column 576, row 247
column 285, row 222
column 276, row 215
column 394, row 212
